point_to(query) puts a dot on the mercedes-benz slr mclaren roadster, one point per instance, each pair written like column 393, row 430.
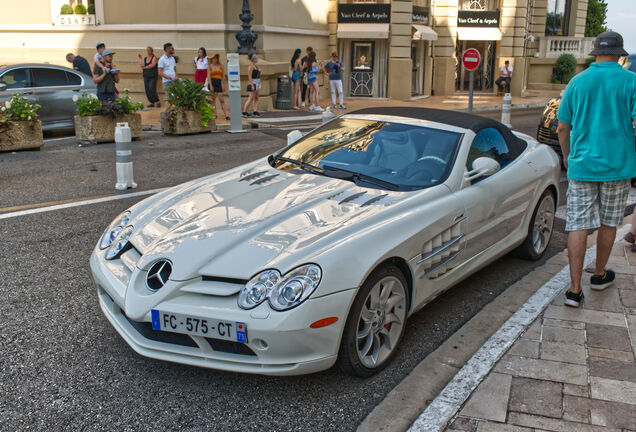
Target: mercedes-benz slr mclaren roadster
column 320, row 252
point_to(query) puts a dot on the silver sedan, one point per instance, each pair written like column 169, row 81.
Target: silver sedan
column 53, row 87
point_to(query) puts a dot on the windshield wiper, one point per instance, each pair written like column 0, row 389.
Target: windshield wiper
column 307, row 167
column 353, row 175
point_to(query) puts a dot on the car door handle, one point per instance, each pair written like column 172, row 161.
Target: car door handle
column 458, row 217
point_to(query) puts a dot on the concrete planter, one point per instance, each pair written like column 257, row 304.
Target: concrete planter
column 184, row 123
column 97, row 129
column 21, row 135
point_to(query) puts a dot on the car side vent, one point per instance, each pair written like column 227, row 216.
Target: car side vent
column 263, row 180
column 352, row 197
column 439, row 253
column 374, row 200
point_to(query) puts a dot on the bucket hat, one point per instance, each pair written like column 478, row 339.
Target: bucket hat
column 608, row 43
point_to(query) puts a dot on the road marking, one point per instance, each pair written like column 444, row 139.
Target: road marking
column 445, row 406
column 47, row 207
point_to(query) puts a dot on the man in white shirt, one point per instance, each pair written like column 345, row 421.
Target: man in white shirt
column 505, row 76
column 167, row 67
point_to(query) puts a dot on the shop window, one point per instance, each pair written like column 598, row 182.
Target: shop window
column 362, row 56
column 478, row 4
column 557, row 18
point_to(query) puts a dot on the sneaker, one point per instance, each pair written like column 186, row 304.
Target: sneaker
column 245, row 114
column 312, row 108
column 599, row 283
column 343, row 107
column 257, row 114
column 158, row 105
column 333, row 106
column 318, row 109
column 629, row 238
column 573, row 299
column 303, row 104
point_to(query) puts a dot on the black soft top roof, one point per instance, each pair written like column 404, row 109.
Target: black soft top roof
column 452, row 118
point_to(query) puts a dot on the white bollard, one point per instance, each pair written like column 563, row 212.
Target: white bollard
column 327, row 115
column 505, row 110
column 294, row 136
column 124, row 165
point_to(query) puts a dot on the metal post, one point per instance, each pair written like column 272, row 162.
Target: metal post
column 124, row 164
column 505, row 110
column 234, row 84
column 471, row 78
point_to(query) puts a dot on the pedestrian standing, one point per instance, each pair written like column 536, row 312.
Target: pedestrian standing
column 596, row 120
column 335, row 68
column 201, row 65
column 304, row 71
column 150, row 72
column 217, row 83
column 79, row 63
column 313, row 68
column 296, row 76
column 167, row 67
column 106, row 75
column 254, row 87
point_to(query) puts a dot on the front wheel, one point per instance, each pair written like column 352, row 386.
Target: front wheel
column 540, row 229
column 375, row 324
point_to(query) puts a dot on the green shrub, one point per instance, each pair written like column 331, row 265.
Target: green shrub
column 185, row 94
column 129, row 106
column 66, row 10
column 87, row 104
column 80, row 9
column 91, row 9
column 18, row 109
column 565, row 68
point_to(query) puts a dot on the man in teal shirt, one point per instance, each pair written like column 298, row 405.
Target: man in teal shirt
column 596, row 132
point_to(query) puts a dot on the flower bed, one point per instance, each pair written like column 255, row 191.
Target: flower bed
column 19, row 127
column 189, row 110
column 96, row 121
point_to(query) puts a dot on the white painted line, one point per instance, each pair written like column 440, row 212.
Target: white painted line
column 443, row 408
column 79, row 203
column 299, row 119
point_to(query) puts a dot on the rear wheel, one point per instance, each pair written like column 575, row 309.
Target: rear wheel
column 540, row 229
column 376, row 323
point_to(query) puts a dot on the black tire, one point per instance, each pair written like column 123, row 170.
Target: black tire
column 349, row 360
column 527, row 249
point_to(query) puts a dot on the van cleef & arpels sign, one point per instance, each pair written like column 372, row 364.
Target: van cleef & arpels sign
column 471, row 18
column 364, row 13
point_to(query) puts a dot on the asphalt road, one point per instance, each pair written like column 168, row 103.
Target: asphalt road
column 62, row 365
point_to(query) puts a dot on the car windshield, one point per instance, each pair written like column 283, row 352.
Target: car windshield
column 377, row 154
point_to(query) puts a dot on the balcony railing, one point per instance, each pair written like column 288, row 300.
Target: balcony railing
column 554, row 46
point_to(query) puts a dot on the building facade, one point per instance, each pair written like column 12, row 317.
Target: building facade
column 390, row 48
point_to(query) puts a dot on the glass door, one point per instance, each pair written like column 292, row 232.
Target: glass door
column 484, row 74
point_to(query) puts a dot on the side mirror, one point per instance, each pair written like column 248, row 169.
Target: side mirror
column 483, row 167
column 3, row 87
column 294, row 136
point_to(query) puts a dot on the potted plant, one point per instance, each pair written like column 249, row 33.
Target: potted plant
column 189, row 109
column 96, row 121
column 19, row 125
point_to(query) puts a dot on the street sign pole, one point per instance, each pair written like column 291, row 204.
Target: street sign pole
column 470, row 91
column 234, row 84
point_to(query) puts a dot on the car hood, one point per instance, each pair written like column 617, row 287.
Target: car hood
column 237, row 223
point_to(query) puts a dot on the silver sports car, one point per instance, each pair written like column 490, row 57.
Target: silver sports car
column 320, row 252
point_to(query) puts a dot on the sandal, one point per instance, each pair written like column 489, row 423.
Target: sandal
column 629, row 238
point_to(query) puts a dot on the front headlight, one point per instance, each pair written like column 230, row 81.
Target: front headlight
column 113, row 230
column 295, row 287
column 120, row 242
column 258, row 288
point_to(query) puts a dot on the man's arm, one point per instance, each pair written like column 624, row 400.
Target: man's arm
column 563, row 130
column 98, row 78
column 176, row 74
column 161, row 74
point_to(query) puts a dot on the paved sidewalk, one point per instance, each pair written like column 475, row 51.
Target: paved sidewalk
column 572, row 369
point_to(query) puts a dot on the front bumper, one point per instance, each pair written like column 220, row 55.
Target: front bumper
column 279, row 343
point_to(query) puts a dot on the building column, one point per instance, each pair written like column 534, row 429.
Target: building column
column 400, row 63
column 578, row 16
column 514, row 16
column 332, row 24
column 444, row 19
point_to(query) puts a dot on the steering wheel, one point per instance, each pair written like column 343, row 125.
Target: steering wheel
column 437, row 159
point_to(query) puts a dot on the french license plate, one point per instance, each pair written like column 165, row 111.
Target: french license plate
column 197, row 326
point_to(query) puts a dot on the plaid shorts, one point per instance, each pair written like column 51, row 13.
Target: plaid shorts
column 590, row 204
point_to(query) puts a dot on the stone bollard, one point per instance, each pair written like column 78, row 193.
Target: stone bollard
column 294, row 136
column 124, row 165
column 505, row 110
column 327, row 115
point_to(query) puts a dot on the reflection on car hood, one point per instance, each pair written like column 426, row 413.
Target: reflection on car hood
column 236, row 223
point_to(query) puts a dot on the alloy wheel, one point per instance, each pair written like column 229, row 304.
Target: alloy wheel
column 543, row 224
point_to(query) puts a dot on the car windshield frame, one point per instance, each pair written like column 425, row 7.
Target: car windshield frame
column 382, row 152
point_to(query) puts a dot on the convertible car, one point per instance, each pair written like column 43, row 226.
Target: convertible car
column 320, row 252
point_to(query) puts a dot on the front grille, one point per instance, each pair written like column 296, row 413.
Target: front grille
column 146, row 330
column 547, row 136
column 230, row 347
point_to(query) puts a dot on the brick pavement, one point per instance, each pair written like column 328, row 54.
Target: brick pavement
column 572, row 369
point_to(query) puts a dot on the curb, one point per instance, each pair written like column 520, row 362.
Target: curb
column 520, row 106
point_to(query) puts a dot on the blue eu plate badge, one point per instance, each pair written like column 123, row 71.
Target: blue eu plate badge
column 241, row 332
column 156, row 321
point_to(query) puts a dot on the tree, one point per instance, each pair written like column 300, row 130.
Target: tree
column 596, row 18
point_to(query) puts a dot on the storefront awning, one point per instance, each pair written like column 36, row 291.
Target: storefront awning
column 478, row 33
column 423, row 32
column 363, row 31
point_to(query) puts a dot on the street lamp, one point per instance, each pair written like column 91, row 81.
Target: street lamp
column 246, row 37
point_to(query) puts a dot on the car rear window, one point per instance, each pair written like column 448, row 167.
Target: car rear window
column 44, row 77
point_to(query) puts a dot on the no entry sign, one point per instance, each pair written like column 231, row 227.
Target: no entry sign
column 471, row 59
